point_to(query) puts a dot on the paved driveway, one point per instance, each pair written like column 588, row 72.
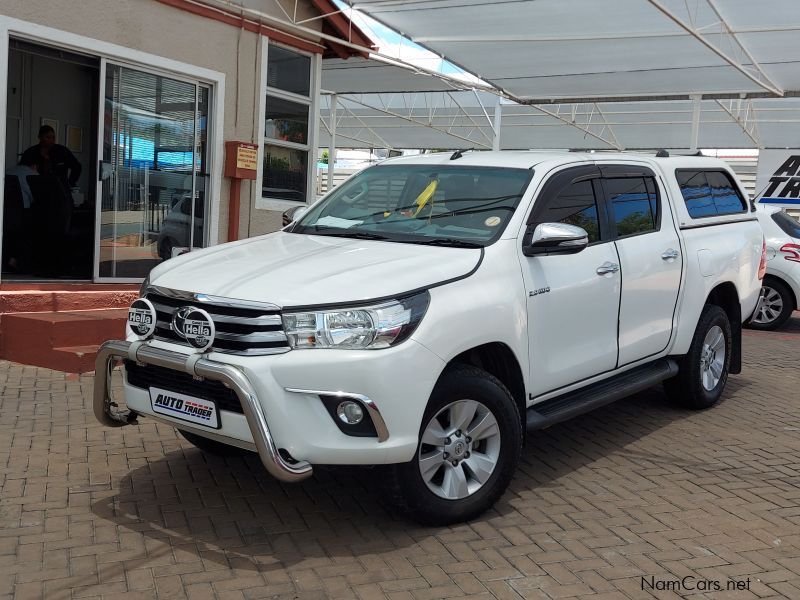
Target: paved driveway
column 634, row 500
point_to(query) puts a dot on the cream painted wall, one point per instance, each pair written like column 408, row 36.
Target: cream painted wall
column 156, row 28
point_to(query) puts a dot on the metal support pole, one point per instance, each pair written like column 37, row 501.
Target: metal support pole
column 498, row 118
column 332, row 146
column 696, row 99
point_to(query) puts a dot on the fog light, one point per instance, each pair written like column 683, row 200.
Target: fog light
column 350, row 412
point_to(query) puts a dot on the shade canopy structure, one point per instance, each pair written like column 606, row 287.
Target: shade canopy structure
column 360, row 75
column 466, row 119
column 568, row 51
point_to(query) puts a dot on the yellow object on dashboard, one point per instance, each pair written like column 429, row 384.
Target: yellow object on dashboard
column 425, row 195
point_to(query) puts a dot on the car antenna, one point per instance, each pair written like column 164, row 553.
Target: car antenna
column 662, row 153
column 459, row 153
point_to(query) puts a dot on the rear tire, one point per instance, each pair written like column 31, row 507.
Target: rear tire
column 776, row 308
column 704, row 369
column 469, row 446
column 212, row 446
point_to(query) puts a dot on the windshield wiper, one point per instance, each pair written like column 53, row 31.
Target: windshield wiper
column 358, row 235
column 446, row 242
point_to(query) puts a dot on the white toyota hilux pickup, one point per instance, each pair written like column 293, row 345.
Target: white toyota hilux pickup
column 431, row 310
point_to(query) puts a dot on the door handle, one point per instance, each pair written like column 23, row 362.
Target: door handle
column 670, row 253
column 607, row 268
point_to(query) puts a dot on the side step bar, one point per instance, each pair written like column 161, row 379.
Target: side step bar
column 571, row 404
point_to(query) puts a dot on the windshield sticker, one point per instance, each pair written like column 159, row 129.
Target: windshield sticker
column 492, row 221
column 337, row 222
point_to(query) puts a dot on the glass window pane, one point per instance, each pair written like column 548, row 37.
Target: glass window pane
column 151, row 159
column 631, row 206
column 575, row 205
column 788, row 224
column 696, row 193
column 726, row 198
column 287, row 121
column 285, row 172
column 288, row 71
column 417, row 203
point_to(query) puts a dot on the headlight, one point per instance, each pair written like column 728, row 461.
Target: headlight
column 362, row 327
column 143, row 287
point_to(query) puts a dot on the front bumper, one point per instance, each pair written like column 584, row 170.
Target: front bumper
column 196, row 365
column 284, row 391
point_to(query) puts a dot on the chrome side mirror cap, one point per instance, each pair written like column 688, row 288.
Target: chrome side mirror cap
column 291, row 215
column 554, row 238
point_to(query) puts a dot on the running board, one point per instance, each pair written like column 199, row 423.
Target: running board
column 571, row 404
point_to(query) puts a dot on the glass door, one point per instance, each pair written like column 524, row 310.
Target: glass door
column 153, row 172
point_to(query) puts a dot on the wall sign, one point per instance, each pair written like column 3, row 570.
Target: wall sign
column 241, row 160
column 778, row 178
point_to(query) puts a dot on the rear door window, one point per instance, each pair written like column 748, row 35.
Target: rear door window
column 634, row 207
column 709, row 193
column 789, row 225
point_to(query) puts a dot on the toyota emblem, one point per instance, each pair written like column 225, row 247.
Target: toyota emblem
column 195, row 326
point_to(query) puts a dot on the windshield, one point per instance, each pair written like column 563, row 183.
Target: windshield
column 788, row 224
column 425, row 204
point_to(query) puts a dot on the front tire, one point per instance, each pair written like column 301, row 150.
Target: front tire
column 469, row 446
column 703, row 371
column 776, row 308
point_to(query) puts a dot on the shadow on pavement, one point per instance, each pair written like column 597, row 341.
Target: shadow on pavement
column 231, row 512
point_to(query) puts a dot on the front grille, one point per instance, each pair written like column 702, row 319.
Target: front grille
column 148, row 376
column 240, row 328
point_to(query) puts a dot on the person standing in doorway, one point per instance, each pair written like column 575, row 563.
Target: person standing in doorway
column 59, row 172
column 53, row 159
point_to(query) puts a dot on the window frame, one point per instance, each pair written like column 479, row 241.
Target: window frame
column 312, row 134
column 731, row 181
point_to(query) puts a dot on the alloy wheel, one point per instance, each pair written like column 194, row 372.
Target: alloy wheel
column 712, row 358
column 771, row 306
column 459, row 450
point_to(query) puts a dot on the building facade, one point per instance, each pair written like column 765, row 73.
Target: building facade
column 143, row 98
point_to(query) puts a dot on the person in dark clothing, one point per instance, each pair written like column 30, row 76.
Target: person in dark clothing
column 53, row 159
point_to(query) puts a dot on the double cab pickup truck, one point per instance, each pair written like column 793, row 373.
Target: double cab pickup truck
column 432, row 311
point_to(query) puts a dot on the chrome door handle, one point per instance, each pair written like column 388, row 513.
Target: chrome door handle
column 670, row 253
column 607, row 268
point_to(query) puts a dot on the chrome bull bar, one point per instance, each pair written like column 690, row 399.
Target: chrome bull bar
column 105, row 410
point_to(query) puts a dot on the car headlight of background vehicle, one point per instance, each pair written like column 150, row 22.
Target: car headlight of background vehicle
column 361, row 327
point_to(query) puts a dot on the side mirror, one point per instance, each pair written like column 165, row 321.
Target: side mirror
column 554, row 238
column 292, row 214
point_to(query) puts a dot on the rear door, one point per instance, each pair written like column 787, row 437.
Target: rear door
column 650, row 258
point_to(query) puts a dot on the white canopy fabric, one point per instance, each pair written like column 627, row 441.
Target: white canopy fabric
column 460, row 119
column 358, row 75
column 559, row 51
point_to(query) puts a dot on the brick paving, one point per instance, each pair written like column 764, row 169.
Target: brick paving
column 637, row 489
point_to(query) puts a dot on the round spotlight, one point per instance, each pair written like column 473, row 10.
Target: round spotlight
column 350, row 412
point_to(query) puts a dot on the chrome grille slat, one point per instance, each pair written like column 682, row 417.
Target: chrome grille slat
column 247, row 328
column 257, row 336
column 266, row 320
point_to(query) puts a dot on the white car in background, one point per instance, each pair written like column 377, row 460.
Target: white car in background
column 781, row 286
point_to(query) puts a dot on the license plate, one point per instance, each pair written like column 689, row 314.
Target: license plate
column 186, row 408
